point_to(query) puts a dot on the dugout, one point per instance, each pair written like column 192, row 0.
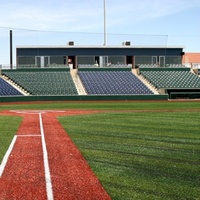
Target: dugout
column 97, row 56
column 184, row 93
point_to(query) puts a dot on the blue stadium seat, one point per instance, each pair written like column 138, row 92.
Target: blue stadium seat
column 112, row 82
column 8, row 90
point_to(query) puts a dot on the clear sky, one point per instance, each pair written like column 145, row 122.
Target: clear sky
column 143, row 22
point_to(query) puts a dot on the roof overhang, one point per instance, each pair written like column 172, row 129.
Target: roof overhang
column 98, row 47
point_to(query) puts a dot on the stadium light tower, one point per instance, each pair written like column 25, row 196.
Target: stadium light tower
column 105, row 23
column 11, row 50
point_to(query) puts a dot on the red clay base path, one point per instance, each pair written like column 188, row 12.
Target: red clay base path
column 45, row 164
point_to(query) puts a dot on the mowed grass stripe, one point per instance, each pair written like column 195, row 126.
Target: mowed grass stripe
column 109, row 105
column 141, row 155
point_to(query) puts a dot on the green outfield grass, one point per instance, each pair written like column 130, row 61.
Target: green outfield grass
column 109, row 105
column 8, row 128
column 138, row 150
column 141, row 155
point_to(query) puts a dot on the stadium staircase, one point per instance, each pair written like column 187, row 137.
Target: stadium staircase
column 145, row 81
column 77, row 82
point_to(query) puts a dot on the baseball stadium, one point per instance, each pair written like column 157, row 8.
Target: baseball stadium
column 125, row 72
column 99, row 122
column 86, row 119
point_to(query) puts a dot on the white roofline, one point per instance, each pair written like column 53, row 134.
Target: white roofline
column 99, row 46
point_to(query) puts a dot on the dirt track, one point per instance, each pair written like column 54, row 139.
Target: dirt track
column 24, row 176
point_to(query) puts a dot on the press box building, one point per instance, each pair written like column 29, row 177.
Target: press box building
column 101, row 56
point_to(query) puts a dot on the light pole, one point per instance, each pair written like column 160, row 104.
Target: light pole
column 11, row 50
column 104, row 22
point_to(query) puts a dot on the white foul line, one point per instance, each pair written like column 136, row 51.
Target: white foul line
column 36, row 111
column 49, row 190
column 5, row 158
column 46, row 163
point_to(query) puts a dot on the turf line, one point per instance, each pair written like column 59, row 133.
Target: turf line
column 5, row 158
column 31, row 135
column 49, row 190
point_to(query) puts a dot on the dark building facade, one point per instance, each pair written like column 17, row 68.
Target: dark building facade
column 101, row 56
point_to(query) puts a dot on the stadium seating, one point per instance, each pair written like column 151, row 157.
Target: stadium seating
column 44, row 82
column 86, row 66
column 107, row 66
column 175, row 65
column 172, row 79
column 148, row 65
column 8, row 90
column 98, row 81
column 156, row 66
column 112, row 82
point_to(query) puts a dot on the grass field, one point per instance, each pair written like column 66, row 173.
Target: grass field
column 142, row 150
column 8, row 128
column 121, row 105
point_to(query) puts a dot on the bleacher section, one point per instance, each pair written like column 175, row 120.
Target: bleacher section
column 112, row 82
column 8, row 90
column 156, row 66
column 44, row 82
column 172, row 79
column 37, row 67
column 104, row 83
column 107, row 66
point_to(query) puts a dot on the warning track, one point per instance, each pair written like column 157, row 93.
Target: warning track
column 45, row 164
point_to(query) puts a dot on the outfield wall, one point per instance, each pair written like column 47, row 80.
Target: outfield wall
column 83, row 98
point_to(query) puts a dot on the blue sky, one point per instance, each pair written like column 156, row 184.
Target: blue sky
column 143, row 22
